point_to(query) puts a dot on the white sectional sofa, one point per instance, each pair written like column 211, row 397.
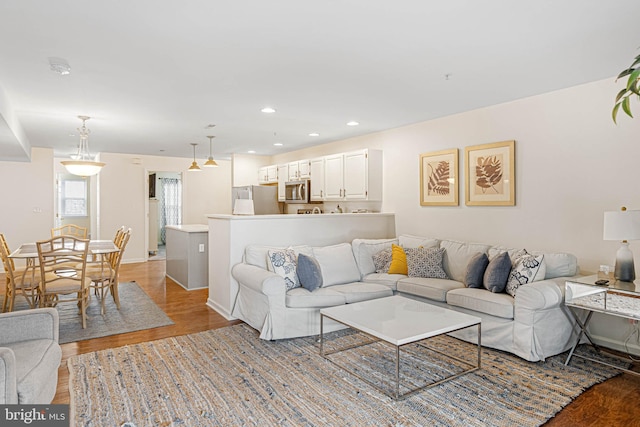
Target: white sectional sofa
column 534, row 324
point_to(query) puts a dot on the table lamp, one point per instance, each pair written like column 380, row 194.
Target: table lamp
column 623, row 225
column 243, row 207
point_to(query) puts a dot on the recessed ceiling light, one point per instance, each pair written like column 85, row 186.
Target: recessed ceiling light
column 268, row 110
column 278, row 144
column 251, row 151
column 314, row 134
column 209, row 126
column 352, row 123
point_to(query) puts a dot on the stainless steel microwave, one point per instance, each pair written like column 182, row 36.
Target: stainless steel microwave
column 297, row 191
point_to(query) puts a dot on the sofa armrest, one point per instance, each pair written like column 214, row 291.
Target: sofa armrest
column 259, row 279
column 28, row 325
column 8, row 378
column 541, row 295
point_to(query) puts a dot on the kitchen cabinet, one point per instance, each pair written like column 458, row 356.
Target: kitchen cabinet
column 316, row 172
column 356, row 175
column 299, row 170
column 268, row 174
column 283, row 177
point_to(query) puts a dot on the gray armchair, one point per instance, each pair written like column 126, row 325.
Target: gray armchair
column 29, row 356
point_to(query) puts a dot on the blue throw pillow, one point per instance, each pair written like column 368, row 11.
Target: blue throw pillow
column 497, row 273
column 309, row 272
column 475, row 270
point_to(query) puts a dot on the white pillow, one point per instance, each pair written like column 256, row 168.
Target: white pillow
column 527, row 268
column 283, row 262
column 365, row 249
column 457, row 256
column 337, row 264
column 258, row 254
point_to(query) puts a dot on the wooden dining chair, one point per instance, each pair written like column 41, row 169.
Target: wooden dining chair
column 19, row 280
column 70, row 230
column 55, row 282
column 104, row 274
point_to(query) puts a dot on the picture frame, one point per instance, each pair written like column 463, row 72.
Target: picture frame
column 490, row 174
column 439, row 178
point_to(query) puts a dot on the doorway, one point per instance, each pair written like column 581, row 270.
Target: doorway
column 72, row 201
column 165, row 208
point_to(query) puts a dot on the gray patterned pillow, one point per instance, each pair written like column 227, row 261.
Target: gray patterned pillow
column 526, row 268
column 382, row 260
column 283, row 262
column 425, row 262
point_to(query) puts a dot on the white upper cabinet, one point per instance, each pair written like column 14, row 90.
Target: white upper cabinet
column 268, row 174
column 299, row 170
column 283, row 177
column 334, row 177
column 316, row 171
column 356, row 175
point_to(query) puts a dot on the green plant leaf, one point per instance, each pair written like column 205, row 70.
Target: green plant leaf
column 624, row 73
column 621, row 94
column 633, row 79
column 636, row 62
column 614, row 113
column 635, row 88
column 625, row 107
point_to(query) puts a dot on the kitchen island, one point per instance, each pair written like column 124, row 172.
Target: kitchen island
column 187, row 255
column 230, row 234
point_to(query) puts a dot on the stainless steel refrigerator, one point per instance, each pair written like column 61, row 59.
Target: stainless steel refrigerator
column 265, row 198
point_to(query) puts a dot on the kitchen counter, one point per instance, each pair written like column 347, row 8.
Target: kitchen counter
column 230, row 234
column 187, row 255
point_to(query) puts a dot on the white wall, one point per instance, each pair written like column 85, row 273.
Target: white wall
column 27, row 198
column 123, row 195
column 572, row 164
column 245, row 168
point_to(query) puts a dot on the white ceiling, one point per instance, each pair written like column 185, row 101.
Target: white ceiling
column 153, row 74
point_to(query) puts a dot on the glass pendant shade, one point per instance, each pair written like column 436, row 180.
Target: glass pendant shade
column 82, row 163
column 210, row 163
column 194, row 165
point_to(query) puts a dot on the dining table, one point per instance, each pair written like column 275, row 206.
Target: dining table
column 29, row 253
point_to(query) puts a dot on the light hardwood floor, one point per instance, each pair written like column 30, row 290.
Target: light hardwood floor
column 611, row 403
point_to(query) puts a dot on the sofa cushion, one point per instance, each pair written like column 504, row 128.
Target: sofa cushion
column 475, row 270
column 525, row 269
column 309, row 272
column 557, row 264
column 389, row 280
column 398, row 260
column 497, row 273
column 38, row 361
column 382, row 261
column 425, row 262
column 409, row 241
column 319, row 298
column 434, row 289
column 359, row 291
column 258, row 254
column 495, row 304
column 457, row 256
column 364, row 250
column 283, row 262
column 337, row 264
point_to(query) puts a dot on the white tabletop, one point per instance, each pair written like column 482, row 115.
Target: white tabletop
column 399, row 320
column 96, row 247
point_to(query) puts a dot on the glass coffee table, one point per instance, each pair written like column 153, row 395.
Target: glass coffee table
column 399, row 321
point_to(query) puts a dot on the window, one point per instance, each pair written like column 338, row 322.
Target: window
column 74, row 197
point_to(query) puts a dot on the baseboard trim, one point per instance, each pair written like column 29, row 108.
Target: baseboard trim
column 223, row 312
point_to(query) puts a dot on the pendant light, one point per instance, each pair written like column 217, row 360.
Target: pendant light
column 194, row 166
column 210, row 163
column 82, row 163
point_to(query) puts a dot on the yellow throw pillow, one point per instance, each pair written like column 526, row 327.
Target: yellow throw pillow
column 398, row 261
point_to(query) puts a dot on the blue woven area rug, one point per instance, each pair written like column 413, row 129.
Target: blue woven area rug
column 230, row 377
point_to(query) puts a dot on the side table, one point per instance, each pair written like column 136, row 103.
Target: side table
column 620, row 299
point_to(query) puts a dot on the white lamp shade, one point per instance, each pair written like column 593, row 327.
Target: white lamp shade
column 243, row 207
column 621, row 225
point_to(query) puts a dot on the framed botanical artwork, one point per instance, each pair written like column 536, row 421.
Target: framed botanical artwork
column 439, row 178
column 490, row 174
